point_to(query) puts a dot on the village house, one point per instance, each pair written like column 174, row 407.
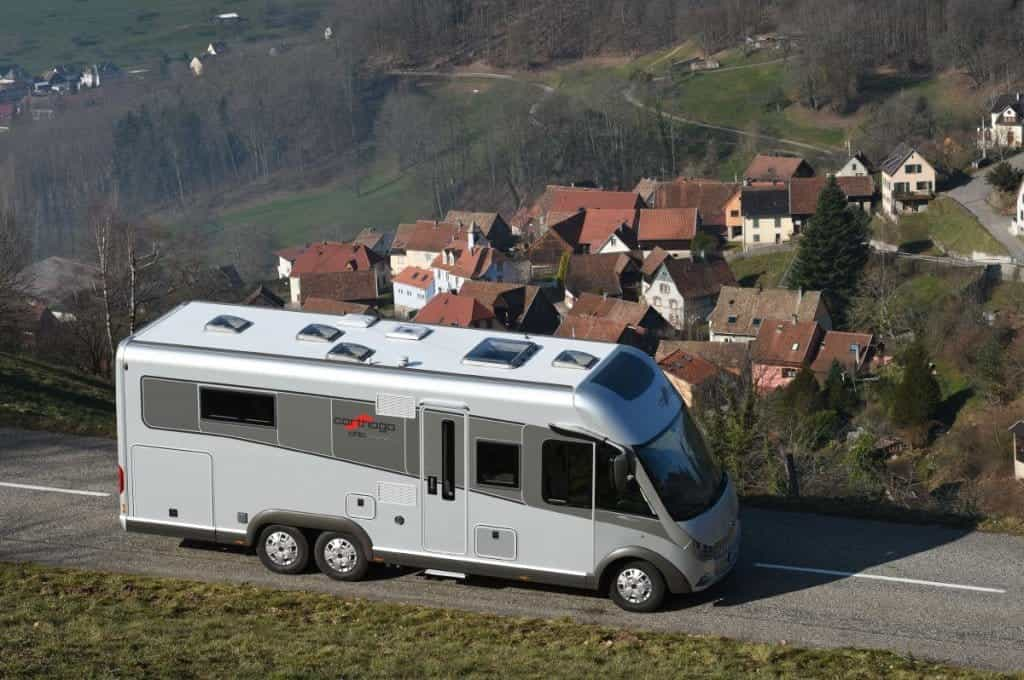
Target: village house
column 691, row 375
column 741, row 312
column 377, row 241
column 602, row 330
column 562, row 200
column 463, row 261
column 329, row 257
column 451, row 309
column 717, row 203
column 345, row 286
column 1017, row 430
column 490, row 224
column 805, row 191
column 685, row 291
column 263, row 297
column 729, row 357
column 857, row 166
column 647, row 325
column 852, row 351
column 413, row 288
column 615, row 275
column 1005, row 128
column 321, row 305
column 908, row 182
column 417, row 245
column 671, row 229
column 520, row 308
column 766, row 216
column 608, row 230
column 773, row 168
column 781, row 349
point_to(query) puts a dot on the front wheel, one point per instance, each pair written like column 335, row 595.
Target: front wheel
column 638, row 587
column 340, row 556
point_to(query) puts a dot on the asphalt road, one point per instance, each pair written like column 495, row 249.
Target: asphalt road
column 809, row 580
column 973, row 195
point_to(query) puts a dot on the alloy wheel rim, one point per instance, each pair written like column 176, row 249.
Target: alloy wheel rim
column 282, row 548
column 634, row 586
column 341, row 555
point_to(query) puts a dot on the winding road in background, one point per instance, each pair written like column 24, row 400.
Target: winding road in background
column 973, row 196
column 932, row 592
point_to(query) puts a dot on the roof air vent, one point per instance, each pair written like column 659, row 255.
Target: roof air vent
column 501, row 353
column 572, row 358
column 357, row 320
column 318, row 332
column 225, row 323
column 407, row 332
column 350, row 352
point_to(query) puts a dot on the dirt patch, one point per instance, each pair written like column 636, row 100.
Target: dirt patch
column 824, row 118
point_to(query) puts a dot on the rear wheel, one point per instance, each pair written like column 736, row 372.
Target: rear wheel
column 341, row 556
column 638, row 587
column 283, row 549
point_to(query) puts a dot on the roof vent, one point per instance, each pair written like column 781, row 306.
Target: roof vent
column 225, row 323
column 318, row 332
column 572, row 358
column 408, row 332
column 500, row 353
column 357, row 320
column 350, row 352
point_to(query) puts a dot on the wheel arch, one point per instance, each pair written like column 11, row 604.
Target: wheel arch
column 675, row 580
column 308, row 521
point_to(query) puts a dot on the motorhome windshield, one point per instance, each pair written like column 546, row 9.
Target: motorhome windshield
column 686, row 476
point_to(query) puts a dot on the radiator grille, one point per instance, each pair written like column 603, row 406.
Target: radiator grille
column 396, row 406
column 396, row 494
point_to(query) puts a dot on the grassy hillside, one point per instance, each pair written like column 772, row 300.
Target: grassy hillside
column 127, row 32
column 45, row 397
column 945, row 226
column 60, row 624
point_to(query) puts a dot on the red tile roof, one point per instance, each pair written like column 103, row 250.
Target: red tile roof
column 766, row 167
column 571, row 199
column 667, row 224
column 291, row 253
column 688, row 367
column 708, row 196
column 325, row 306
column 784, row 343
column 837, row 346
column 448, row 309
column 592, row 328
column 804, row 191
column 329, row 257
column 589, row 304
column 432, row 237
column 600, row 224
column 346, row 285
column 699, row 279
column 414, row 276
column 468, row 263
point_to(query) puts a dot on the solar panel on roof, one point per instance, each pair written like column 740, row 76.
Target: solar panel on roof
column 501, row 353
column 225, row 323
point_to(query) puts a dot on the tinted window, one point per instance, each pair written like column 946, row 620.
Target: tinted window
column 630, row 501
column 229, row 406
column 626, row 375
column 566, row 475
column 497, row 464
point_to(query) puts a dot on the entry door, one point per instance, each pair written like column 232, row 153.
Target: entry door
column 442, row 480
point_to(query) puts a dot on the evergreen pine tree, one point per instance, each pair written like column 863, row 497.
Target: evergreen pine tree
column 916, row 398
column 838, row 391
column 833, row 251
column 802, row 396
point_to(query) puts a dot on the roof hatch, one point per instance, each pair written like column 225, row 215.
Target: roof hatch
column 318, row 332
column 408, row 332
column 225, row 323
column 572, row 358
column 501, row 353
column 357, row 320
column 350, row 352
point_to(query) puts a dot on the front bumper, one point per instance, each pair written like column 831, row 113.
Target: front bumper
column 721, row 560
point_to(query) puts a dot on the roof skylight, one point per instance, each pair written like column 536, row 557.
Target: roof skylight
column 501, row 353
column 357, row 320
column 225, row 323
column 350, row 352
column 572, row 358
column 408, row 332
column 318, row 332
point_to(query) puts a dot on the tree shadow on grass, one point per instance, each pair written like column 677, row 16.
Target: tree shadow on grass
column 19, row 382
column 916, row 247
column 750, row 280
column 949, row 408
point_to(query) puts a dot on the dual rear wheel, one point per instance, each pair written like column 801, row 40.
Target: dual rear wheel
column 285, row 550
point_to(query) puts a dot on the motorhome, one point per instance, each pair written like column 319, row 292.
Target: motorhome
column 347, row 440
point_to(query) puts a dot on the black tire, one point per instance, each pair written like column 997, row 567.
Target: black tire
column 283, row 550
column 341, row 556
column 637, row 586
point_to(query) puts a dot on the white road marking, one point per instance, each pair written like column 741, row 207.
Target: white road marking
column 875, row 577
column 76, row 492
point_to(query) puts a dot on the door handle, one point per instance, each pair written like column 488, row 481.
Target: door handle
column 432, row 486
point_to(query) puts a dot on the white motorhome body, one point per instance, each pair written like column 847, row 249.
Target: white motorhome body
column 536, row 458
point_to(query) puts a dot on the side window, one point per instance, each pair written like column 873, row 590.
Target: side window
column 497, row 464
column 607, row 497
column 566, row 473
column 230, row 406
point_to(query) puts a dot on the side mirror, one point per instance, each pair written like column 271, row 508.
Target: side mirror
column 622, row 472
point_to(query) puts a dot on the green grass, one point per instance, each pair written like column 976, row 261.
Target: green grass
column 39, row 396
column 126, row 32
column 64, row 624
column 945, row 224
column 763, row 270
